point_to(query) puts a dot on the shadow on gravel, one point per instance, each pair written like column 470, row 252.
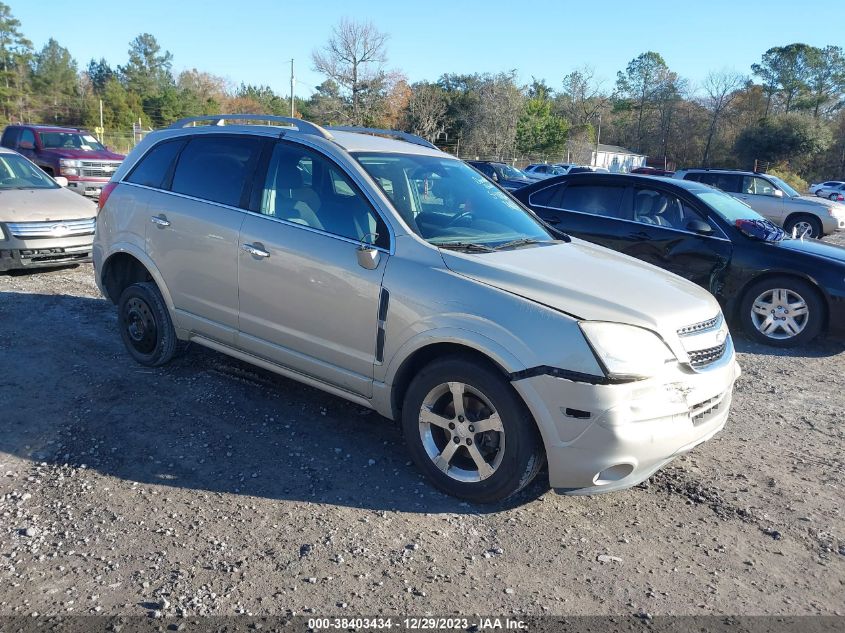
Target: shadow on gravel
column 820, row 348
column 205, row 423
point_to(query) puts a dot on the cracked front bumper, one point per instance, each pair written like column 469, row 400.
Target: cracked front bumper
column 601, row 438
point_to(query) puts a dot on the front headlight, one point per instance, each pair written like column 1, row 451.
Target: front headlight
column 70, row 162
column 626, row 352
column 69, row 166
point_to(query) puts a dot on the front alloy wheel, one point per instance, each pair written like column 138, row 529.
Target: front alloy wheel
column 782, row 312
column 461, row 432
column 469, row 431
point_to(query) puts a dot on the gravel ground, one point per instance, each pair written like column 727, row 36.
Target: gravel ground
column 212, row 487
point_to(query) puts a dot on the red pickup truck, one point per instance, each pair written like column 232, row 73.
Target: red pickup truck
column 70, row 152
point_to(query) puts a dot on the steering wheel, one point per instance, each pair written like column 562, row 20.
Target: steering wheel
column 457, row 218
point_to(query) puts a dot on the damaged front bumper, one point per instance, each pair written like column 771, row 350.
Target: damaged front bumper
column 605, row 437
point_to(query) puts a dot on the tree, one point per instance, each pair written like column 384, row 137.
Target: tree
column 426, row 112
column 582, row 97
column 720, row 90
column 783, row 138
column 326, row 105
column 784, row 73
column 99, row 72
column 825, row 79
column 148, row 70
column 539, row 130
column 15, row 55
column 54, row 73
column 353, row 59
column 493, row 121
column 646, row 82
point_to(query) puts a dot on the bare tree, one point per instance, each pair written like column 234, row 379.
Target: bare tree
column 493, row 120
column 426, row 113
column 582, row 97
column 353, row 58
column 720, row 89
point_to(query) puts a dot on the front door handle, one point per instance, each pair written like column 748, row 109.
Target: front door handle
column 252, row 249
column 639, row 235
column 160, row 220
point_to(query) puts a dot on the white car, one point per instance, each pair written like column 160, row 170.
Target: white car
column 815, row 187
column 547, row 170
column 835, row 192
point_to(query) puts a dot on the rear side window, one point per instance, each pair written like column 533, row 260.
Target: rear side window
column 725, row 182
column 546, row 197
column 217, row 168
column 594, row 199
column 154, row 167
column 10, row 137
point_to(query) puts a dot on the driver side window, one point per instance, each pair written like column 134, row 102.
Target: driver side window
column 757, row 186
column 302, row 187
column 27, row 136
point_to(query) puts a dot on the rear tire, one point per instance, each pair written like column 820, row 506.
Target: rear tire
column 145, row 325
column 816, row 230
column 782, row 311
column 493, row 448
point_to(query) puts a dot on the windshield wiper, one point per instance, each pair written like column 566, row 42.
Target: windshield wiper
column 466, row 246
column 523, row 241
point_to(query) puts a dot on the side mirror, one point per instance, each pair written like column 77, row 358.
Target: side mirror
column 26, row 145
column 61, row 181
column 700, row 227
column 777, row 193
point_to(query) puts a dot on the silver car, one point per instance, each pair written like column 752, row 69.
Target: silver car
column 386, row 272
column 775, row 200
column 41, row 223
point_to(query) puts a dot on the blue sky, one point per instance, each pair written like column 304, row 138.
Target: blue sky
column 253, row 40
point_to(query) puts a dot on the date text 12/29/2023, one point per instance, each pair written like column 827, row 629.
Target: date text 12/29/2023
column 426, row 623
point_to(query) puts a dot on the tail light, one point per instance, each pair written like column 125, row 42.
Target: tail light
column 840, row 198
column 104, row 194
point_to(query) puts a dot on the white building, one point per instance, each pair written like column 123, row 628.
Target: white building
column 616, row 159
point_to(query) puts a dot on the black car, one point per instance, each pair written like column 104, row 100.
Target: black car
column 507, row 177
column 783, row 291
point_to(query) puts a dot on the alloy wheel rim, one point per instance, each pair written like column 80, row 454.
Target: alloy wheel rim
column 141, row 325
column 804, row 228
column 780, row 313
column 461, row 432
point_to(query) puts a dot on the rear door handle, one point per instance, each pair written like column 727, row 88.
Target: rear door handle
column 639, row 235
column 160, row 220
column 252, row 249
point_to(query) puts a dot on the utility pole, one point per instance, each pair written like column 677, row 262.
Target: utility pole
column 598, row 138
column 292, row 111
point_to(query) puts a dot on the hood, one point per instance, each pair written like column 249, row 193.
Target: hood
column 43, row 205
column 813, row 201
column 817, row 248
column 593, row 283
column 79, row 154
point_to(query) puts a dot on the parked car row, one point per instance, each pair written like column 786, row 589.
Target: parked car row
column 580, row 321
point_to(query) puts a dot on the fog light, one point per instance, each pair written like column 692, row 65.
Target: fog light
column 612, row 474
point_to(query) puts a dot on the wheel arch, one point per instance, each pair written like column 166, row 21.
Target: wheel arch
column 414, row 361
column 125, row 267
column 796, row 215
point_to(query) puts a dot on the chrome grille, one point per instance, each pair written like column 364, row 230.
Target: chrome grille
column 703, row 357
column 54, row 228
column 700, row 327
column 99, row 169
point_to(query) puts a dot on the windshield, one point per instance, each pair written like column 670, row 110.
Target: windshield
column 447, row 202
column 70, row 140
column 18, row 173
column 510, row 173
column 740, row 215
column 784, row 186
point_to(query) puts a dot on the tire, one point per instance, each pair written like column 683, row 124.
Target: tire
column 145, row 325
column 511, row 448
column 832, row 196
column 816, row 230
column 782, row 294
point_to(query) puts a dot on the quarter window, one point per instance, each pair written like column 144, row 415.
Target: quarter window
column 592, row 199
column 726, row 182
column 216, row 168
column 154, row 167
column 304, row 188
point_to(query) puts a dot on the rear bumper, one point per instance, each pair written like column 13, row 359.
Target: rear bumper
column 601, row 438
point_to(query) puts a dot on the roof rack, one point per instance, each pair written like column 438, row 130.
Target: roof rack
column 220, row 119
column 374, row 131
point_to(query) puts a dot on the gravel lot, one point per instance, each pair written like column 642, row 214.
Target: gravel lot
column 211, row 487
